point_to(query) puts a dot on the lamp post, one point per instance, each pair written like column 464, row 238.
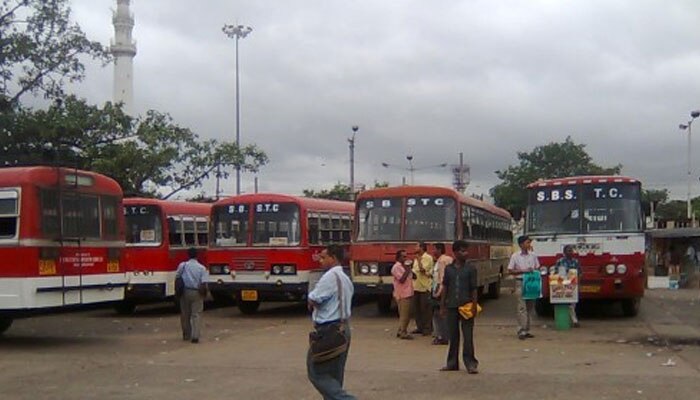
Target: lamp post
column 689, row 128
column 351, row 142
column 237, row 32
column 411, row 168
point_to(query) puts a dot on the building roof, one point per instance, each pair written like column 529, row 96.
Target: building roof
column 674, row 233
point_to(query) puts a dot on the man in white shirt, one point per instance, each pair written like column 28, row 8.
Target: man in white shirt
column 194, row 276
column 330, row 303
column 521, row 262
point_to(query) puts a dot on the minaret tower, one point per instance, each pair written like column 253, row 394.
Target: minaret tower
column 123, row 49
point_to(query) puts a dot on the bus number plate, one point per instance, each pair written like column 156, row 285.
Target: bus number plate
column 589, row 289
column 249, row 295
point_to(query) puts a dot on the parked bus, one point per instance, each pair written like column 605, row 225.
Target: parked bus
column 61, row 236
column 158, row 234
column 263, row 245
column 397, row 218
column 602, row 217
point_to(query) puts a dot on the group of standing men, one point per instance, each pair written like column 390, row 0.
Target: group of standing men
column 432, row 290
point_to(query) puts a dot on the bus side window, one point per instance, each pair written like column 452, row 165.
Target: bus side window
column 50, row 224
column 346, row 228
column 202, row 227
column 8, row 214
column 189, row 232
column 325, row 229
column 175, row 232
column 110, row 228
column 313, row 229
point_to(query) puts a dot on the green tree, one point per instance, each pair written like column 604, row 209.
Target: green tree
column 553, row 160
column 145, row 155
column 655, row 197
column 340, row 191
column 40, row 49
column 673, row 210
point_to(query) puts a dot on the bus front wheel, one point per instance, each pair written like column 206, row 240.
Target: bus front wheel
column 495, row 289
column 5, row 324
column 384, row 304
column 249, row 307
column 125, row 308
column 544, row 308
column 630, row 307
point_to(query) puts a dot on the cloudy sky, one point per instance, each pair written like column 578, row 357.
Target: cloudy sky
column 428, row 79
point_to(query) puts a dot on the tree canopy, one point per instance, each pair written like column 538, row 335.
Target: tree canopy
column 142, row 154
column 553, row 160
column 40, row 49
column 339, row 191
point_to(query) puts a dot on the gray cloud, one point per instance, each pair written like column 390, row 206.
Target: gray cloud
column 485, row 78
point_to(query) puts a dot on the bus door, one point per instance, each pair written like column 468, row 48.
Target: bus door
column 79, row 257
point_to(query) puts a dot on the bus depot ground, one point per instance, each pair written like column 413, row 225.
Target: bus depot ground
column 97, row 354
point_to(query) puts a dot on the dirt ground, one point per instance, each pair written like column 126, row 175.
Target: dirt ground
column 98, row 354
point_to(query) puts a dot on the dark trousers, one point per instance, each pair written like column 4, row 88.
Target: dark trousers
column 454, row 322
column 327, row 377
column 423, row 312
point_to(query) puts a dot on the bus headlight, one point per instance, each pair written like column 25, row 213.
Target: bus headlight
column 610, row 269
column 289, row 269
column 374, row 268
column 552, row 270
column 276, row 269
column 621, row 269
column 226, row 269
column 364, row 269
column 543, row 270
column 219, row 269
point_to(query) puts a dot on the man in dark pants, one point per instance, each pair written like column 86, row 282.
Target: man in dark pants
column 330, row 303
column 459, row 288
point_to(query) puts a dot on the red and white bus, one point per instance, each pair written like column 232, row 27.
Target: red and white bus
column 263, row 245
column 61, row 235
column 396, row 218
column 602, row 217
column 158, row 234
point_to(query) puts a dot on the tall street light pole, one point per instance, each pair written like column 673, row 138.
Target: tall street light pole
column 237, row 32
column 689, row 128
column 351, row 142
column 410, row 166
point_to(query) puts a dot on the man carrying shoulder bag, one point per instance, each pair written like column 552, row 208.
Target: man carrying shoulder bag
column 191, row 289
column 330, row 303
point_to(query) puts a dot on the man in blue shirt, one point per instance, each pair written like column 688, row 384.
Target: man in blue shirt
column 570, row 262
column 330, row 303
column 195, row 277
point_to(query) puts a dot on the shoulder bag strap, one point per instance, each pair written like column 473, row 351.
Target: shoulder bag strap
column 340, row 297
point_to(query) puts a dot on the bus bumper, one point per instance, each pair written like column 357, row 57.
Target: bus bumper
column 263, row 291
column 373, row 289
column 606, row 289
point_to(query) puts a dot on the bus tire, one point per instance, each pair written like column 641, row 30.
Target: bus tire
column 384, row 304
column 544, row 308
column 5, row 324
column 495, row 289
column 630, row 307
column 222, row 299
column 249, row 307
column 125, row 307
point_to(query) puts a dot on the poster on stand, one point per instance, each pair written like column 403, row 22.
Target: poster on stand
column 563, row 289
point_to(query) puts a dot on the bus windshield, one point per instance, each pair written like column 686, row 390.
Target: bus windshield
column 430, row 218
column 276, row 224
column 379, row 219
column 605, row 207
column 612, row 208
column 231, row 224
column 143, row 226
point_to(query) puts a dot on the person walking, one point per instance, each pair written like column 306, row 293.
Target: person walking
column 422, row 285
column 522, row 262
column 439, row 322
column 194, row 279
column 459, row 287
column 332, row 290
column 403, row 292
column 568, row 262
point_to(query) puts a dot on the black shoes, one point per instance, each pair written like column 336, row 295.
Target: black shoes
column 195, row 340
